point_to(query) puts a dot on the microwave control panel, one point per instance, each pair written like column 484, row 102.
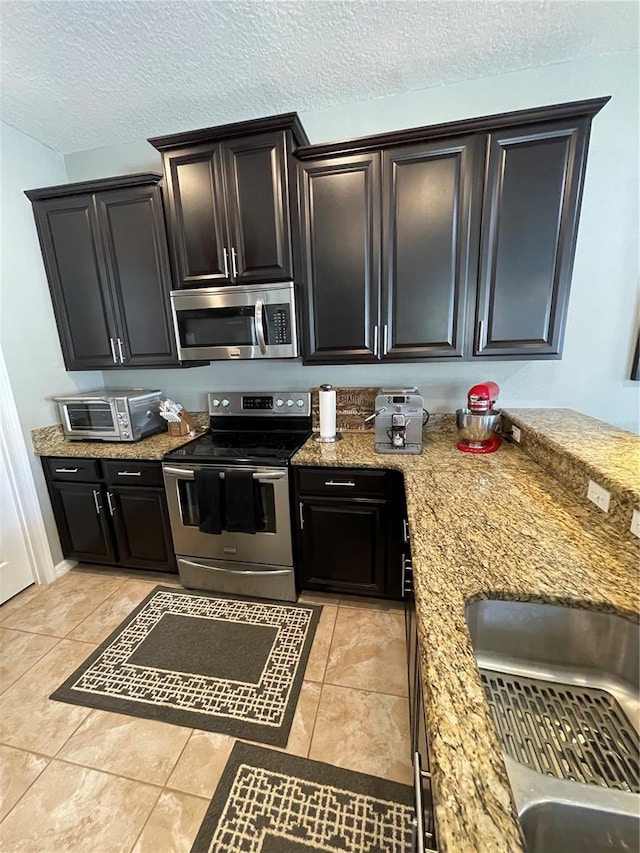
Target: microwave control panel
column 278, row 324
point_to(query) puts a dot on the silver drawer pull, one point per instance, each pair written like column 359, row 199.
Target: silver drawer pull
column 96, row 501
column 338, row 483
column 241, row 572
column 129, row 473
column 405, row 530
column 67, row 470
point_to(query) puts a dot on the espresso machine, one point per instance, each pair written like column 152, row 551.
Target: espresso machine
column 478, row 422
column 398, row 415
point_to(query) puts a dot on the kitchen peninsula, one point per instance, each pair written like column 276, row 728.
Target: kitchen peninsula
column 492, row 526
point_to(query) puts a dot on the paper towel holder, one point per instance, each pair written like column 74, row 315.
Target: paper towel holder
column 330, row 439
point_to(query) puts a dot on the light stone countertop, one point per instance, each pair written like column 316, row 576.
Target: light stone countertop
column 50, row 441
column 486, row 526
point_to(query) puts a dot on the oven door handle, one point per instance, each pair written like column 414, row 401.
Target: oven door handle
column 270, row 572
column 187, row 474
column 181, row 473
column 259, row 323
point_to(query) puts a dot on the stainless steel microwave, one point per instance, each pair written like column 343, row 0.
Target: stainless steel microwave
column 244, row 321
column 118, row 414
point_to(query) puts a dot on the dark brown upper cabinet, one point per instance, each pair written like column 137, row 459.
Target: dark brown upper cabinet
column 432, row 197
column 390, row 248
column 104, row 248
column 229, row 201
column 340, row 223
column 464, row 247
column 530, row 218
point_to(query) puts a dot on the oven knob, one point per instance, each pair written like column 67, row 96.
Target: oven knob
column 289, row 403
column 300, row 403
column 279, row 402
column 225, row 403
column 125, row 434
column 215, row 402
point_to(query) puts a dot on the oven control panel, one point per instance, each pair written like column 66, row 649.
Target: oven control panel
column 260, row 403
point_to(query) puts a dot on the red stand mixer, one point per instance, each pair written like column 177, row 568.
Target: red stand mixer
column 478, row 422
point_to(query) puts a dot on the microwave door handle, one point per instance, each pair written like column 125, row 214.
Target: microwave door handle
column 259, row 324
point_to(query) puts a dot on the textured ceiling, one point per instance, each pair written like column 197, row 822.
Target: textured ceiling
column 83, row 74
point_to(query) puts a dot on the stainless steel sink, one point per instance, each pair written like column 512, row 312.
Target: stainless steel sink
column 563, row 689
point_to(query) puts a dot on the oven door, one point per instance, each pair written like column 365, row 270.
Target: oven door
column 256, row 321
column 89, row 417
column 271, row 546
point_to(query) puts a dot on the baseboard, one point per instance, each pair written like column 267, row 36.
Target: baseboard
column 64, row 566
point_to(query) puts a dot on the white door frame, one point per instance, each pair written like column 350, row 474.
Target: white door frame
column 21, row 483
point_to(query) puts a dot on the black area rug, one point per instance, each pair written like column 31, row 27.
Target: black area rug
column 206, row 661
column 272, row 802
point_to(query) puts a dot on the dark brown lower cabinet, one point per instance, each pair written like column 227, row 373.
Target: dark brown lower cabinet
column 348, row 534
column 100, row 522
column 343, row 545
column 141, row 525
column 80, row 510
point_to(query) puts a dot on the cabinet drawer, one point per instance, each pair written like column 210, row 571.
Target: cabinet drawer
column 128, row 473
column 343, row 482
column 83, row 470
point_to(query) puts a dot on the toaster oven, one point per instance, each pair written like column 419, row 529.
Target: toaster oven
column 127, row 414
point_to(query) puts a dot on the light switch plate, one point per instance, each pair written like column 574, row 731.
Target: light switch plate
column 635, row 523
column 599, row 495
column 515, row 433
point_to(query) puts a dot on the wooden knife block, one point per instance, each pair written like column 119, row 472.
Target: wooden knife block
column 183, row 427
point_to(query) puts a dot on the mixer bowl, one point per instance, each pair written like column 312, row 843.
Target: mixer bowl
column 476, row 428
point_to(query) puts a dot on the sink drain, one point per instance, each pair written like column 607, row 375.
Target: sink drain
column 575, row 733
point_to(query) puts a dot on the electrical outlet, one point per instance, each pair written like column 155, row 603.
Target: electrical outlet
column 515, row 433
column 635, row 523
column 599, row 495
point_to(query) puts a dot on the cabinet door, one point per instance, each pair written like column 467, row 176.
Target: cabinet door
column 258, row 207
column 432, row 196
column 81, row 514
column 530, row 218
column 342, row 545
column 74, row 263
column 141, row 523
column 134, row 237
column 340, row 216
column 197, row 215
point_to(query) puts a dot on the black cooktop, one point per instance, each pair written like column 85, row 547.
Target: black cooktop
column 232, row 447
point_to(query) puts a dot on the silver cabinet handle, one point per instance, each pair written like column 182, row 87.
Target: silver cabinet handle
column 111, row 506
column 301, row 511
column 120, row 351
column 129, row 473
column 226, row 263
column 259, row 325
column 67, row 470
column 375, row 340
column 96, row 501
column 385, row 348
column 234, row 263
column 338, row 483
column 480, row 333
column 405, row 530
column 407, row 576
column 113, row 351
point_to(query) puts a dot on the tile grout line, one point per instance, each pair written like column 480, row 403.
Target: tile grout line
column 144, row 825
column 324, row 672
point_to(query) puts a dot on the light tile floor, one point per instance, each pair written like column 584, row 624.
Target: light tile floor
column 81, row 780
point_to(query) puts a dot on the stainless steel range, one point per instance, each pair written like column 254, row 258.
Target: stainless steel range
column 252, row 437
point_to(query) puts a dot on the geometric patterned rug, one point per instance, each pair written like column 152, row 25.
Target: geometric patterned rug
column 202, row 660
column 272, row 802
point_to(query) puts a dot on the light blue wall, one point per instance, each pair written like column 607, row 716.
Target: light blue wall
column 28, row 331
column 591, row 377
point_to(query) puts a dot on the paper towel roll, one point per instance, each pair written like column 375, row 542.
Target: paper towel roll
column 327, row 411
